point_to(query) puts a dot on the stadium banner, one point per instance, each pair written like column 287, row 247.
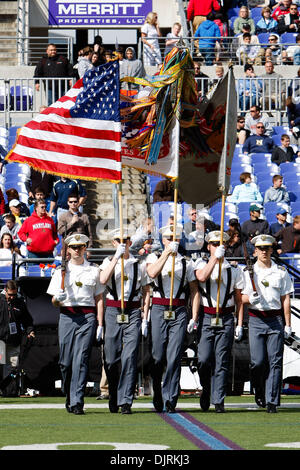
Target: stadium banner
column 167, row 163
column 78, row 136
column 98, row 12
column 204, row 174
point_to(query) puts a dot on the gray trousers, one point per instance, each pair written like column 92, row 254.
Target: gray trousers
column 167, row 347
column 76, row 334
column 266, row 340
column 214, row 350
column 121, row 343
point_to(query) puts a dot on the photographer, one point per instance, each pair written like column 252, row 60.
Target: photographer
column 289, row 23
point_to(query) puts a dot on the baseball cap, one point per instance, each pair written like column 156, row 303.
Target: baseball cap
column 14, row 203
column 255, row 207
column 281, row 210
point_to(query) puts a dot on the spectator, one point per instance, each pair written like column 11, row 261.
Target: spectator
column 248, row 89
column 73, row 221
column 293, row 52
column 39, row 233
column 248, row 53
column 85, row 63
column 53, row 65
column 282, row 9
column 163, row 191
column 266, row 24
column 39, row 179
column 243, row 18
column 131, row 67
column 254, row 226
column 108, row 55
column 208, row 33
column 10, row 227
column 219, row 74
column 259, row 142
column 151, row 31
column 172, row 38
column 198, row 10
column 223, row 27
column 281, row 217
column 272, row 92
column 12, row 193
column 276, row 193
column 202, row 85
column 283, row 153
column 293, row 114
column 15, row 208
column 255, row 115
column 234, row 247
column 190, row 226
column 7, row 249
column 289, row 237
column 39, row 194
column 146, row 239
column 98, row 46
column 247, row 191
column 274, row 51
column 95, row 59
column 241, row 132
column 2, row 203
column 194, row 240
column 289, row 23
column 60, row 193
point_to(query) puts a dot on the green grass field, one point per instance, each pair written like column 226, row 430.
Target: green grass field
column 251, row 429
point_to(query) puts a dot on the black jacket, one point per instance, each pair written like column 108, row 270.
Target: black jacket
column 17, row 313
column 58, row 66
column 280, row 156
column 251, row 228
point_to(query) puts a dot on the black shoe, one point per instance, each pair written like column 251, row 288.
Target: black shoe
column 170, row 408
column 77, row 410
column 271, row 408
column 260, row 399
column 112, row 404
column 219, row 408
column 126, row 409
column 158, row 402
column 205, row 399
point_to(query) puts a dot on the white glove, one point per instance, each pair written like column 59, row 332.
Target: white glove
column 238, row 333
column 120, row 250
column 99, row 333
column 254, row 298
column 145, row 328
column 220, row 252
column 191, row 326
column 61, row 296
column 287, row 331
column 174, row 247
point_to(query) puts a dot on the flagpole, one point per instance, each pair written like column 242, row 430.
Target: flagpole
column 121, row 241
column 220, row 261
column 174, row 239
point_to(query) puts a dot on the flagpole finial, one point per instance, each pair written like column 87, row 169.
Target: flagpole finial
column 230, row 64
column 180, row 43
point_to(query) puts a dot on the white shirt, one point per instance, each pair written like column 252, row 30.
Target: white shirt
column 271, row 283
column 237, row 282
column 166, row 275
column 142, row 279
column 82, row 284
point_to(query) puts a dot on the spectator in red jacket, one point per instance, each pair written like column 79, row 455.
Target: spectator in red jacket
column 39, row 232
column 281, row 10
column 198, row 10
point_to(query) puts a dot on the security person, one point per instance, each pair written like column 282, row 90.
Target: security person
column 80, row 307
column 122, row 328
column 168, row 328
column 269, row 322
column 216, row 338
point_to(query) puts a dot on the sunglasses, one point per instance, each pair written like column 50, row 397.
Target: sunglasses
column 75, row 247
column 215, row 243
column 72, row 202
column 259, row 127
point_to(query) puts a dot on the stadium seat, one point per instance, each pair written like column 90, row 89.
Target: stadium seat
column 276, row 139
column 288, row 38
column 280, row 130
column 21, row 98
column 233, row 12
column 256, row 12
column 263, row 38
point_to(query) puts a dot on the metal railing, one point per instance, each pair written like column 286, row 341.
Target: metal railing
column 224, row 49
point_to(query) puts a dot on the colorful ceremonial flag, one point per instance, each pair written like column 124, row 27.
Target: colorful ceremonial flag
column 205, row 175
column 78, row 136
column 167, row 163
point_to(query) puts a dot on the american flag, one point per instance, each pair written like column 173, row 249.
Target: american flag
column 78, row 136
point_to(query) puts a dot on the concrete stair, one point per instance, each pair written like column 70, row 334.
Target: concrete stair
column 8, row 28
column 100, row 205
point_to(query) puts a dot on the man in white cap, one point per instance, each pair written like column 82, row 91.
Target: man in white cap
column 268, row 299
column 122, row 328
column 81, row 307
column 217, row 337
column 168, row 326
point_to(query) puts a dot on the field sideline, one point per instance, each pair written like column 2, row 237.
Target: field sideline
column 42, row 423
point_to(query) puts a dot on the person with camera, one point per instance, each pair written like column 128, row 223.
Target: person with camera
column 15, row 319
column 289, row 23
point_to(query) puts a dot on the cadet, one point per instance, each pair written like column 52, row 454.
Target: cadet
column 269, row 309
column 168, row 328
column 80, row 305
column 216, row 339
column 122, row 332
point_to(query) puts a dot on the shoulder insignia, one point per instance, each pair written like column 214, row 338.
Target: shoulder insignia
column 94, row 265
column 281, row 267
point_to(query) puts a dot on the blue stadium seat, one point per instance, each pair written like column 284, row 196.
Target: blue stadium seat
column 233, row 12
column 276, row 139
column 280, row 130
column 294, row 196
column 21, row 98
column 5, row 273
column 263, row 38
column 256, row 12
column 288, row 38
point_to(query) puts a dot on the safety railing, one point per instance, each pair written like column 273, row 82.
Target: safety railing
column 212, row 50
column 30, row 49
